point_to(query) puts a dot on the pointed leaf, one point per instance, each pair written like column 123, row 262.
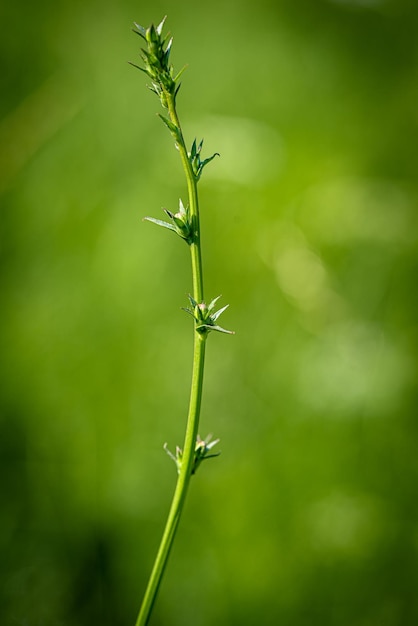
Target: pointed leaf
column 146, row 55
column 166, row 37
column 167, row 52
column 141, row 30
column 154, row 89
column 210, row 445
column 192, row 301
column 215, row 316
column 151, row 34
column 222, row 330
column 170, row 43
column 219, row 329
column 214, row 301
column 160, row 223
column 193, row 150
column 177, row 90
column 138, row 67
column 206, row 161
column 171, row 127
column 187, row 311
column 180, row 73
column 160, row 26
column 170, row 454
column 210, row 456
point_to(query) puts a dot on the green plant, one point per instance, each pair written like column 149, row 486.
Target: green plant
column 185, row 223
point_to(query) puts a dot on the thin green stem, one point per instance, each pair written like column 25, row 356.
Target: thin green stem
column 182, row 482
column 195, row 247
column 186, row 467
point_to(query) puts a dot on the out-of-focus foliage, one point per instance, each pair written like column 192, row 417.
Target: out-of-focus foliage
column 310, row 229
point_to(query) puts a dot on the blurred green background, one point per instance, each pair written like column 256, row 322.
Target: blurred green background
column 310, row 231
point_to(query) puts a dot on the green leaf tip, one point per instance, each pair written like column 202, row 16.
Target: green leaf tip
column 140, row 30
column 160, row 26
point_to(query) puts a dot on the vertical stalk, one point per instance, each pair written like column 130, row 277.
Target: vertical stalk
column 186, row 224
column 186, row 467
column 182, row 483
column 195, row 247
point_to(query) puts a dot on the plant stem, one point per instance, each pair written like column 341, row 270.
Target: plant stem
column 195, row 247
column 188, row 457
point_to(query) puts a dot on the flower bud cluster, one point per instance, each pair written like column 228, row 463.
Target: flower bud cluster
column 156, row 61
column 181, row 223
column 202, row 448
column 204, row 317
column 195, row 161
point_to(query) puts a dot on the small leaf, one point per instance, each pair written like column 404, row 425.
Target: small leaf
column 160, row 223
column 192, row 301
column 141, row 30
column 223, row 330
column 151, row 35
column 170, row 454
column 178, row 222
column 208, row 327
column 177, row 90
column 166, row 52
column 215, row 316
column 212, row 304
column 170, row 125
column 186, row 310
column 154, row 88
column 138, row 67
column 193, row 150
column 206, row 161
column 180, row 73
column 210, row 444
column 160, row 26
column 146, row 56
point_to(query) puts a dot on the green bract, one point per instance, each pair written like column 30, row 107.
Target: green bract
column 202, row 448
column 203, row 316
column 181, row 223
column 156, row 61
column 194, row 158
column 165, row 84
